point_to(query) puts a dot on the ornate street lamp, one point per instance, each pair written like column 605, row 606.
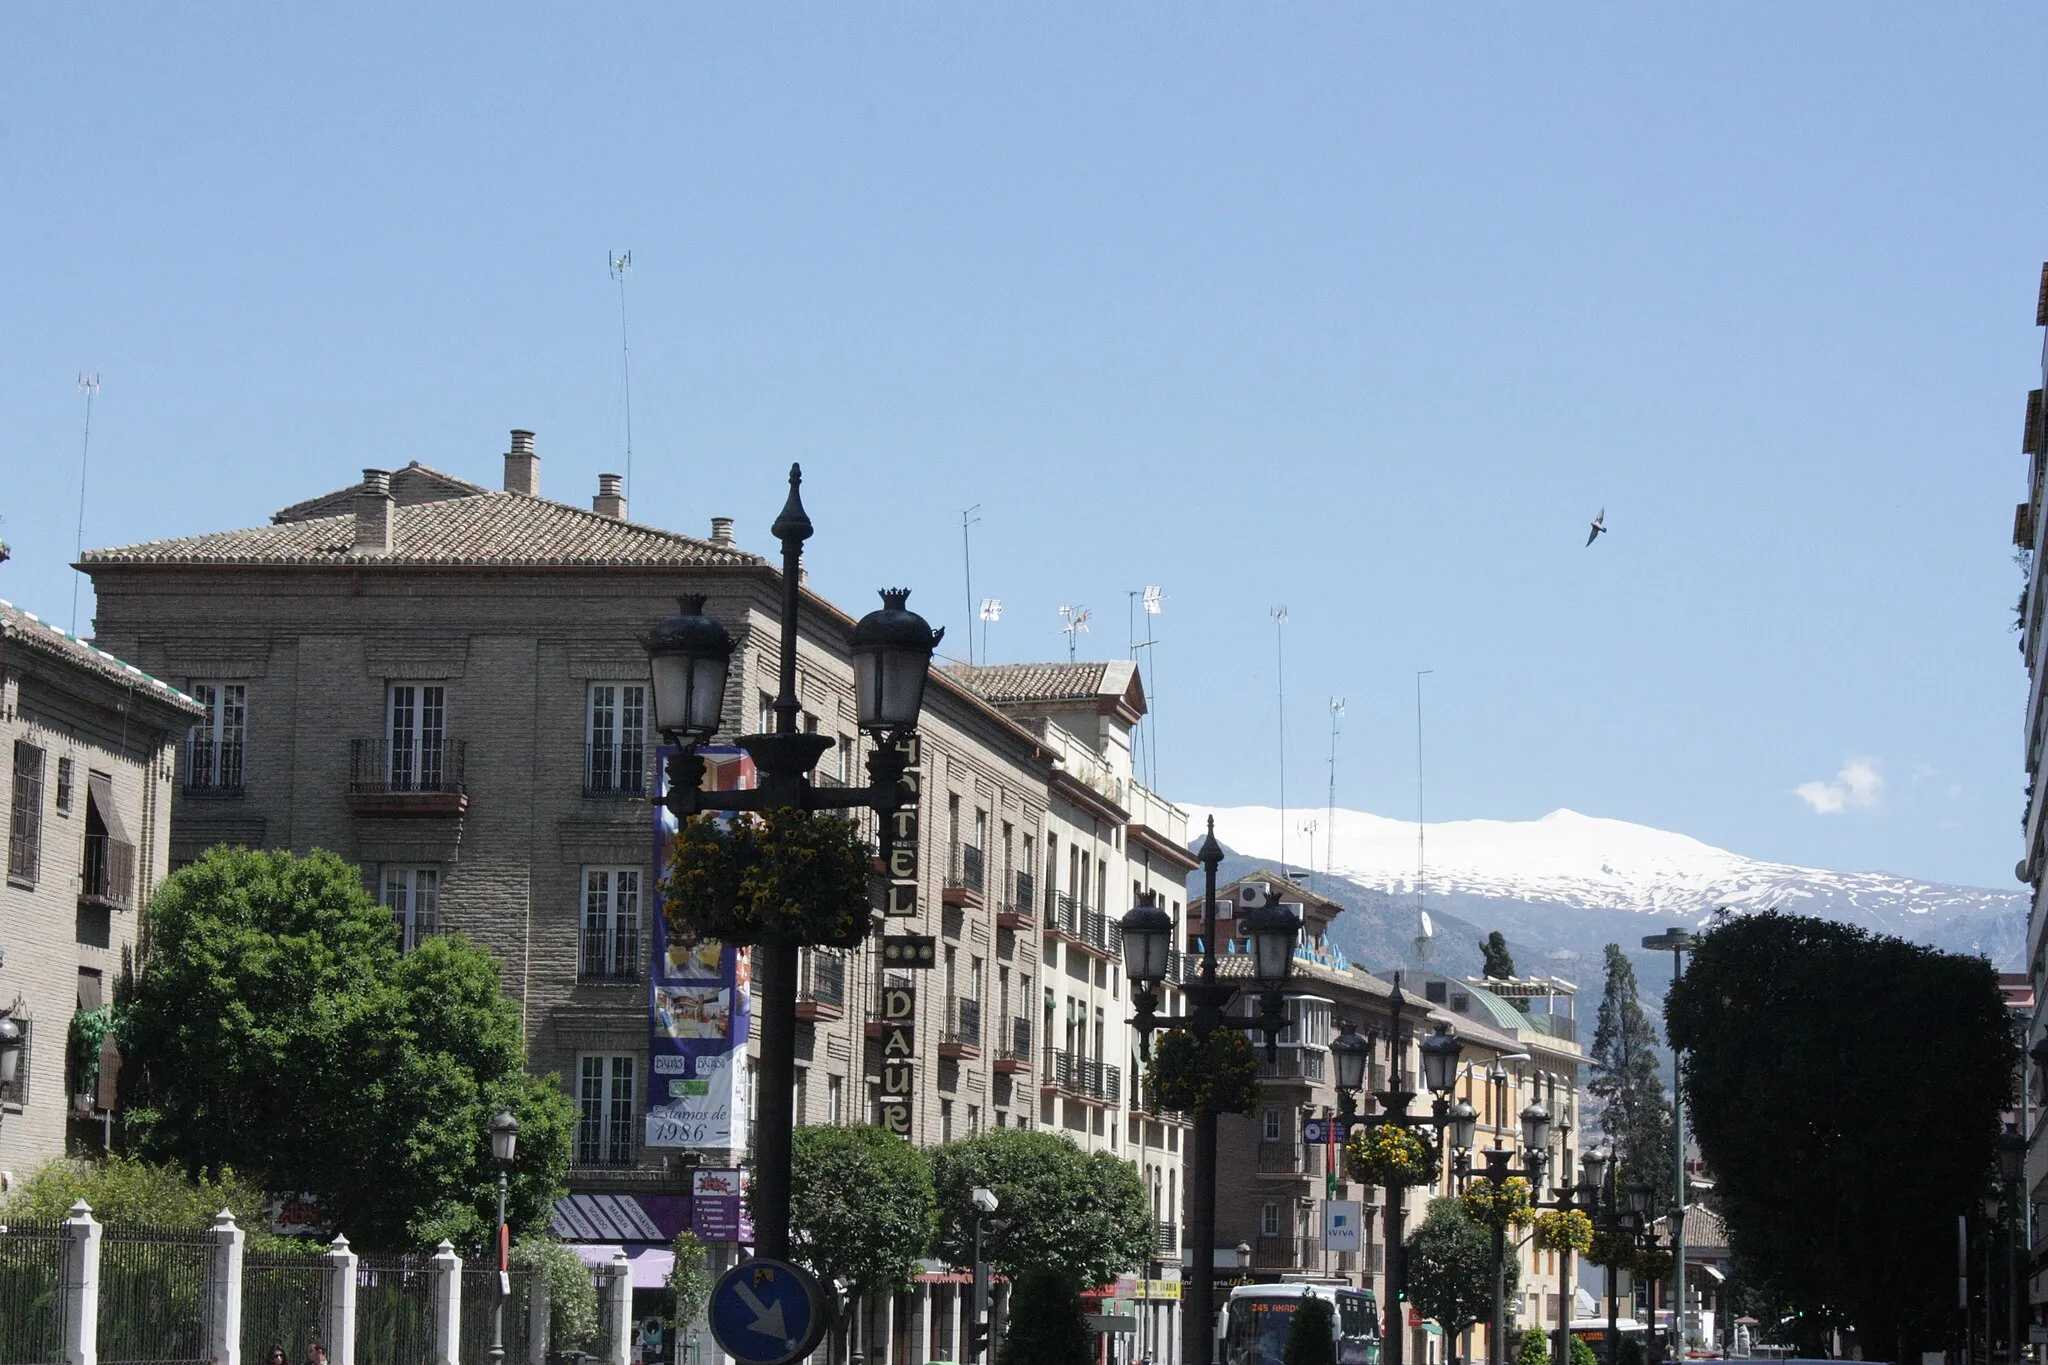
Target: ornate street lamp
column 1274, row 933
column 504, row 1144
column 1536, row 1129
column 1350, row 1054
column 1464, row 1126
column 689, row 656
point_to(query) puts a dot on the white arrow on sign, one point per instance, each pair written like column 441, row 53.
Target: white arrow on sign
column 767, row 1316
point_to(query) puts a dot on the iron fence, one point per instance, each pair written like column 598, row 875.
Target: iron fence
column 32, row 1291
column 966, row 868
column 394, row 1310
column 155, row 1286
column 480, row 1299
column 606, row 1312
column 284, row 1303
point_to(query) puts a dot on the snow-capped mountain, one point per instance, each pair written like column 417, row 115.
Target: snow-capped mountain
column 1561, row 885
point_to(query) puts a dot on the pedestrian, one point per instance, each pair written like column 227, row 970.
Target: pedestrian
column 316, row 1354
column 277, row 1356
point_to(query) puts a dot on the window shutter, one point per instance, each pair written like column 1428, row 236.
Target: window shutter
column 2041, row 305
column 2030, row 441
column 2023, row 525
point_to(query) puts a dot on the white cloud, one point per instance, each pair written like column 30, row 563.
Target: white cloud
column 1856, row 787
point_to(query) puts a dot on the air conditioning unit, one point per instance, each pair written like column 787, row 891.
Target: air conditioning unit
column 1253, row 896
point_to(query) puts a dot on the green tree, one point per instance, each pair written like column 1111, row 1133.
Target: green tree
column 1499, row 961
column 1046, row 1323
column 861, row 1206
column 277, row 1030
column 1312, row 1336
column 124, row 1190
column 689, row 1280
column 1535, row 1348
column 1847, row 1090
column 1635, row 1115
column 1085, row 1212
column 1450, row 1268
column 572, row 1294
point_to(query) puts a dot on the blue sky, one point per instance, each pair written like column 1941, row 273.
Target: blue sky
column 1360, row 309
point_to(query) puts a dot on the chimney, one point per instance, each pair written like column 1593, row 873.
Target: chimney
column 522, row 466
column 611, row 498
column 721, row 530
column 373, row 514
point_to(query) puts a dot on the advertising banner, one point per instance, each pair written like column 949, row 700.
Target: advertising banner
column 1343, row 1221
column 718, row 1211
column 698, row 1013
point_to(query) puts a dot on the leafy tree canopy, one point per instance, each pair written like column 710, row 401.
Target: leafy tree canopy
column 1312, row 1336
column 1499, row 961
column 689, row 1280
column 1450, row 1267
column 276, row 1030
column 1046, row 1324
column 1085, row 1212
column 861, row 1206
column 1846, row 1089
column 125, row 1191
column 1635, row 1115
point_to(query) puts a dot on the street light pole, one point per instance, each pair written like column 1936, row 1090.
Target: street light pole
column 504, row 1144
column 1677, row 942
column 690, row 655
column 1147, row 938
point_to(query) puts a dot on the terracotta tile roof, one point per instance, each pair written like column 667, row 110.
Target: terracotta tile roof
column 410, row 486
column 1007, row 683
column 488, row 528
column 33, row 632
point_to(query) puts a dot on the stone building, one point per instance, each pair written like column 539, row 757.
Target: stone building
column 1272, row 1186
column 443, row 683
column 91, row 743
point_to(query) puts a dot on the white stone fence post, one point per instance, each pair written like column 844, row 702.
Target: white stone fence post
column 224, row 1303
column 447, row 1304
column 619, row 1350
column 341, row 1303
column 81, row 1286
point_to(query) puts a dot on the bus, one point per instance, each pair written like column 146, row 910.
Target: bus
column 1256, row 1319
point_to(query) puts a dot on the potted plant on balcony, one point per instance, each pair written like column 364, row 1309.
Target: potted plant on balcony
column 778, row 874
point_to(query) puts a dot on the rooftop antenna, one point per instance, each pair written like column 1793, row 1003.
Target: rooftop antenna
column 991, row 610
column 1076, row 619
column 1309, row 827
column 1330, row 814
column 621, row 262
column 1279, row 615
column 967, row 519
column 1153, row 600
column 89, row 385
column 1420, row 862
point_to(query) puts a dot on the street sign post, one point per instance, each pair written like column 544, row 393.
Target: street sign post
column 766, row 1312
column 1316, row 1132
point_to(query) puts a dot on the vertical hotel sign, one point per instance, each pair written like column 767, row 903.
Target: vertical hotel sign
column 698, row 1013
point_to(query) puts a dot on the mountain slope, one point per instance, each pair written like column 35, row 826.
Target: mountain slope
column 1561, row 886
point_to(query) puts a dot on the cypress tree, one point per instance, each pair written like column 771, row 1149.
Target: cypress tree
column 1635, row 1115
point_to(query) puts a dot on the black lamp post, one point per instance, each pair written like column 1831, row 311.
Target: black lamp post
column 504, row 1143
column 690, row 655
column 1148, row 938
column 1440, row 1053
column 1499, row 1169
column 1584, row 1197
column 2012, row 1170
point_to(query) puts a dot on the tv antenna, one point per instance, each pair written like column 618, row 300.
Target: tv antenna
column 89, row 385
column 967, row 519
column 991, row 610
column 1279, row 615
column 1076, row 619
column 621, row 262
column 1330, row 814
column 1153, row 601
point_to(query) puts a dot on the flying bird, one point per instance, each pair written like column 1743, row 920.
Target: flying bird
column 1599, row 525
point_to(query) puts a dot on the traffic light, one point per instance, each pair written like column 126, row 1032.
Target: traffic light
column 977, row 1339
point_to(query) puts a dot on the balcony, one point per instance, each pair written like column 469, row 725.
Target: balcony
column 615, row 771
column 1169, row 1241
column 962, row 1036
column 1285, row 1253
column 1287, row 1157
column 109, row 873
column 963, row 878
column 1013, row 1054
column 1016, row 911
column 1081, row 1077
column 213, row 768
column 1090, row 931
column 1304, row 1064
column 821, row 985
column 407, row 778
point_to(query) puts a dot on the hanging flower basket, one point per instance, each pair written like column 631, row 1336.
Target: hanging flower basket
column 1391, row 1156
column 1653, row 1265
column 1563, row 1230
column 781, row 876
column 1220, row 1076
column 1499, row 1206
column 1615, row 1250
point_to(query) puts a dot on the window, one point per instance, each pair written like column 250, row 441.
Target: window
column 1269, row 1129
column 615, row 740
column 800, row 1095
column 604, row 1128
column 413, row 896
column 611, row 923
column 18, row 1096
column 1269, row 1220
column 945, row 1120
column 64, row 781
column 764, row 718
column 417, row 731
column 835, row 1099
column 213, row 750
column 974, row 1120
column 25, row 827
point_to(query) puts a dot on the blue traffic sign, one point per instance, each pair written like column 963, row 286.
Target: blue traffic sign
column 1315, row 1132
column 767, row 1312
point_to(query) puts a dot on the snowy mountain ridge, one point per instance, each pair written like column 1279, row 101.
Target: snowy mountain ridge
column 1566, row 861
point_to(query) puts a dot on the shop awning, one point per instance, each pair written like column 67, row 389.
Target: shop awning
column 617, row 1218
column 649, row 1264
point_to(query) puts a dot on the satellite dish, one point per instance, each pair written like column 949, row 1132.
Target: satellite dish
column 1426, row 926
